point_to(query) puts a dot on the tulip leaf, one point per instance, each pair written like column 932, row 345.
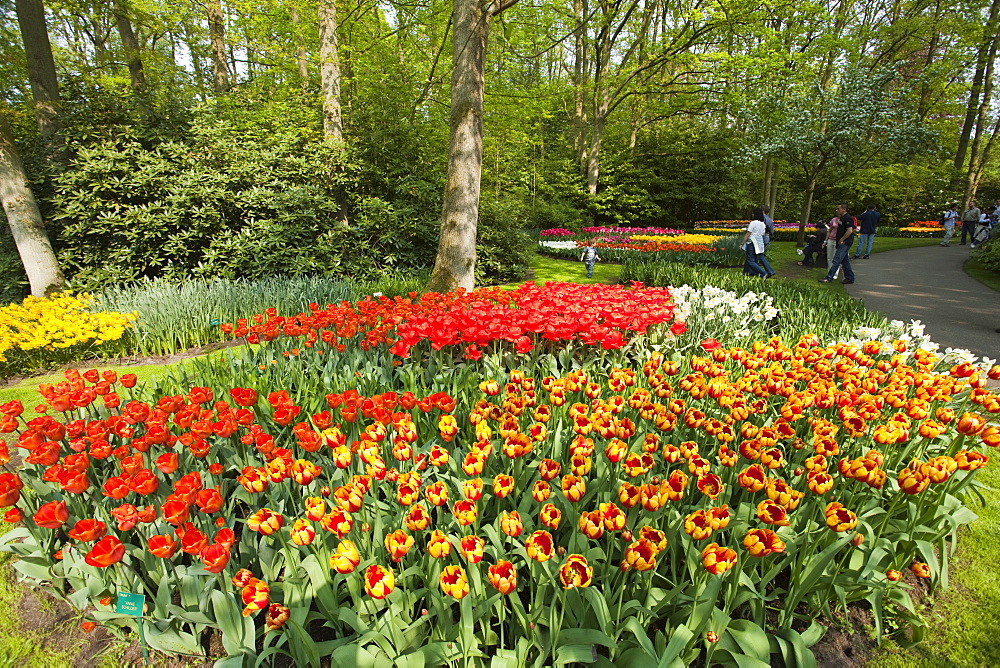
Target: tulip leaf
column 637, row 657
column 751, row 639
column 326, row 598
column 645, row 643
column 815, row 568
column 34, row 568
column 799, row 653
column 193, row 616
column 679, row 639
column 352, row 656
column 302, row 644
column 172, row 641
column 585, row 636
column 575, row 654
column 237, row 631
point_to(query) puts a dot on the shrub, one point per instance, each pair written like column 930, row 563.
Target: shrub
column 989, row 254
column 503, row 250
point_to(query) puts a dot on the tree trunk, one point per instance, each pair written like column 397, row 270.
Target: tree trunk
column 766, row 189
column 456, row 257
column 329, row 71
column 596, row 137
column 975, row 150
column 25, row 219
column 807, row 202
column 217, row 35
column 924, row 103
column 772, row 199
column 578, row 123
column 301, row 58
column 131, row 45
column 41, row 68
column 977, row 81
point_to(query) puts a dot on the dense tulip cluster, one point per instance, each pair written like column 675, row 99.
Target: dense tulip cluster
column 476, row 319
column 614, row 485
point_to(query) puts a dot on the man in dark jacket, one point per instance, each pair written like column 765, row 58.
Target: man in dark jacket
column 867, row 221
column 842, row 256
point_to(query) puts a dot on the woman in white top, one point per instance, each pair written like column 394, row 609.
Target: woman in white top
column 753, row 245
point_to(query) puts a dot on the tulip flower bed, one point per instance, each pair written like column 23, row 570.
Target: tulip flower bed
column 50, row 330
column 365, row 485
column 695, row 249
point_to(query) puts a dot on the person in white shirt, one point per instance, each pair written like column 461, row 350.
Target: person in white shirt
column 753, row 245
column 948, row 218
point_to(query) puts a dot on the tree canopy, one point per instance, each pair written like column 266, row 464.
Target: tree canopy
column 296, row 136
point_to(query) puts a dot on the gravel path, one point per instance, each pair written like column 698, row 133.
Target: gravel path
column 928, row 284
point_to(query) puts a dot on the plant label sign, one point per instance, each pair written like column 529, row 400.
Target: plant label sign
column 130, row 604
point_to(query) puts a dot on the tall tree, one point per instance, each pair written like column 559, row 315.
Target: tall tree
column 986, row 47
column 301, row 58
column 217, row 36
column 25, row 220
column 41, row 67
column 329, row 70
column 455, row 264
column 131, row 47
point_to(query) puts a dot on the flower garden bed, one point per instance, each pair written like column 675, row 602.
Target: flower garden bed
column 625, row 243
column 559, row 474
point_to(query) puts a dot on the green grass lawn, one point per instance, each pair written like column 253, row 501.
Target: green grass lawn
column 987, row 277
column 544, row 268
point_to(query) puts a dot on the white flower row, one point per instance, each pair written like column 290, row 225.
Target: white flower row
column 557, row 244
column 712, row 303
column 916, row 338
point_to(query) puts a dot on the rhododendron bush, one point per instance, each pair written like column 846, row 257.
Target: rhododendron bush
column 580, row 502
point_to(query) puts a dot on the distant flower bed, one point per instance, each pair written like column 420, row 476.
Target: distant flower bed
column 693, row 239
column 631, row 230
column 731, row 224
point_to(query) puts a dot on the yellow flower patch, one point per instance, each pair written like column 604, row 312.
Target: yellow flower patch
column 59, row 321
column 703, row 239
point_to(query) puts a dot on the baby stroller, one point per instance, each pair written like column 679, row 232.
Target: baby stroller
column 981, row 234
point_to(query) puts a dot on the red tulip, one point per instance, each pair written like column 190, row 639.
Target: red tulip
column 109, row 550
column 215, row 557
column 52, row 515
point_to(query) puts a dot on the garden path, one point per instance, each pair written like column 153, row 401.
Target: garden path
column 928, row 284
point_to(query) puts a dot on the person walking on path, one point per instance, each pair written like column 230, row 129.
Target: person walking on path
column 768, row 225
column 845, row 229
column 753, row 245
column 868, row 221
column 970, row 218
column 589, row 256
column 948, row 219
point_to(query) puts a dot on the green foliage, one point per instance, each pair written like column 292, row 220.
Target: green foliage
column 503, row 251
column 989, row 254
column 546, row 215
